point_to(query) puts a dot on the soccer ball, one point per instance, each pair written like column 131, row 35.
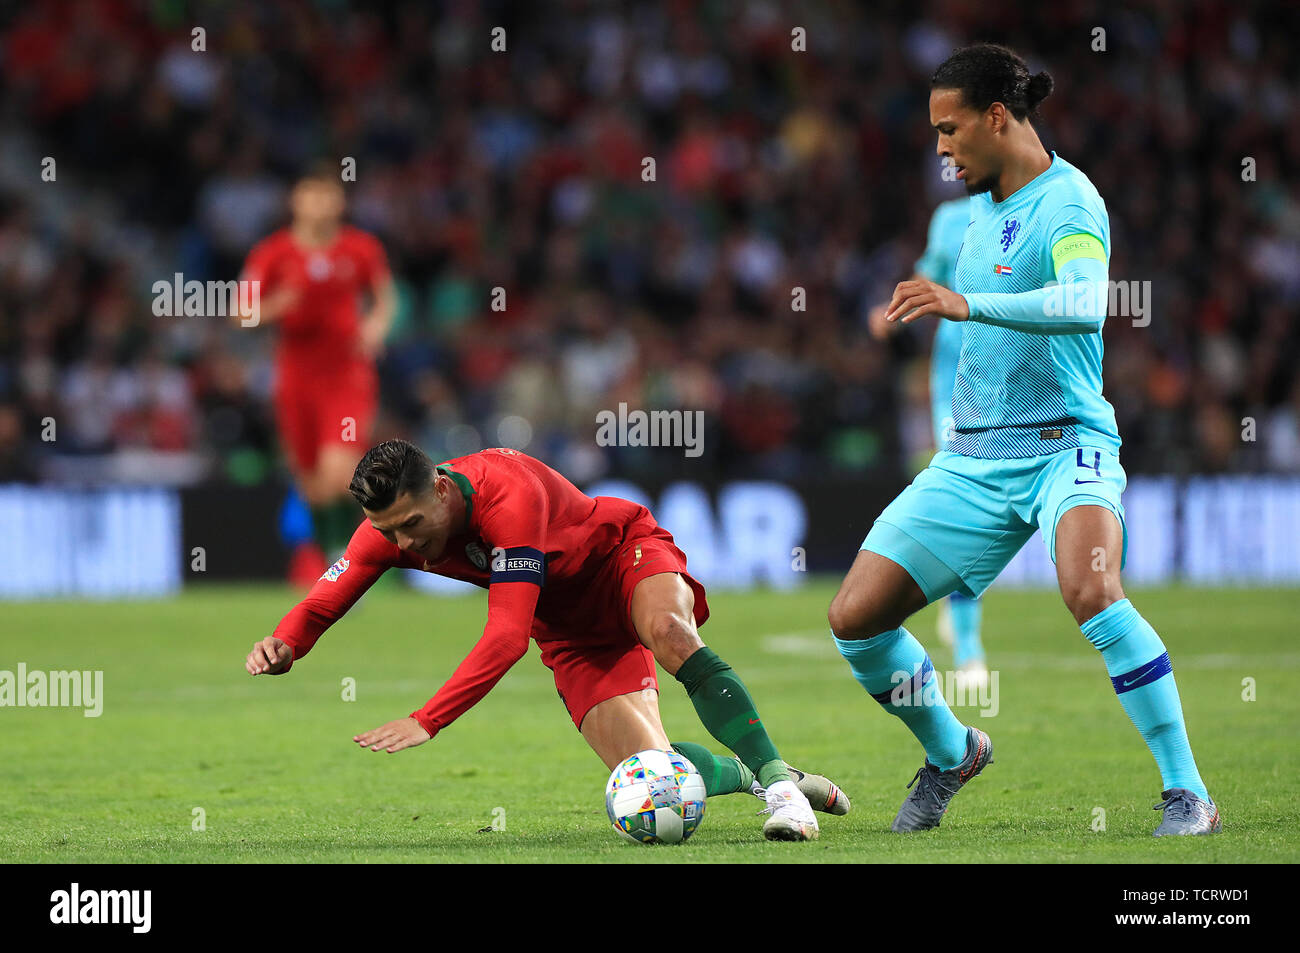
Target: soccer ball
column 655, row 797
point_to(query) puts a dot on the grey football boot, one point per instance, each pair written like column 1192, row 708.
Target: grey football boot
column 1185, row 813
column 925, row 805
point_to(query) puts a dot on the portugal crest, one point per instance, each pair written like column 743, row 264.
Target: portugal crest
column 476, row 554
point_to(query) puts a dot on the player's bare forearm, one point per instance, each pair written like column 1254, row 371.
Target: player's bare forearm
column 393, row 736
column 918, row 297
column 379, row 319
column 385, row 305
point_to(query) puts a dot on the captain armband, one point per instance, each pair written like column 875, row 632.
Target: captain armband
column 518, row 564
column 1078, row 245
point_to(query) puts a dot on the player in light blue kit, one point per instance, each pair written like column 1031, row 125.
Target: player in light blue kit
column 959, row 614
column 1035, row 446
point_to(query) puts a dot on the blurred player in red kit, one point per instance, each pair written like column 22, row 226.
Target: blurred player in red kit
column 311, row 277
column 596, row 582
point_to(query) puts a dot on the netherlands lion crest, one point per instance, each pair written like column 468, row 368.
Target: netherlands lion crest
column 1009, row 231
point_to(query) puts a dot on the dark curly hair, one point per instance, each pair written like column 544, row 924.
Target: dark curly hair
column 987, row 73
column 387, row 471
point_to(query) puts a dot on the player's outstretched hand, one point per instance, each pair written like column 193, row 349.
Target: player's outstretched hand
column 269, row 657
column 394, row 736
column 917, row 298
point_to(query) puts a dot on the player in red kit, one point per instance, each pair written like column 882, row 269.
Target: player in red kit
column 595, row 581
column 311, row 277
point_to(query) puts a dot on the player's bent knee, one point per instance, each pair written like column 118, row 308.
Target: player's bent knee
column 851, row 617
column 1090, row 597
column 841, row 618
column 672, row 638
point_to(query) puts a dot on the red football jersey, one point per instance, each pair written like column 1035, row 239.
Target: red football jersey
column 532, row 538
column 323, row 326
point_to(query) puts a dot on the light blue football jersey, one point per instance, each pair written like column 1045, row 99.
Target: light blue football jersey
column 939, row 263
column 1024, row 393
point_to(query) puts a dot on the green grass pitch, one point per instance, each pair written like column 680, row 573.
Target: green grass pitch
column 271, row 763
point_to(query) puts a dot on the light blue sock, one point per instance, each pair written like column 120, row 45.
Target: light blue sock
column 1139, row 669
column 964, row 612
column 896, row 672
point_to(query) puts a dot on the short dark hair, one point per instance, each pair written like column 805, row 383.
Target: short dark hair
column 387, row 471
column 987, row 73
column 321, row 170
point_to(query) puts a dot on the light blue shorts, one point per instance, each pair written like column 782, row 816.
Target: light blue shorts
column 963, row 519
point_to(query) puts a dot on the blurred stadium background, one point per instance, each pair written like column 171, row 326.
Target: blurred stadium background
column 522, row 170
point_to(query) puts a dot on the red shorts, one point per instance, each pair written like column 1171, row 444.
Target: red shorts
column 596, row 655
column 335, row 407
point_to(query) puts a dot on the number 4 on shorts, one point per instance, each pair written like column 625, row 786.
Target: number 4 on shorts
column 1095, row 466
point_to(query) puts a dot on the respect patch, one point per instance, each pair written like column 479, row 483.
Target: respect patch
column 518, row 564
column 1078, row 245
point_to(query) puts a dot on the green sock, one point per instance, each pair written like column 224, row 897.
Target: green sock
column 721, row 775
column 726, row 710
column 322, row 523
column 346, row 519
column 333, row 525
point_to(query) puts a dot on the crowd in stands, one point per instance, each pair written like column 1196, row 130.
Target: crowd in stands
column 524, row 170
